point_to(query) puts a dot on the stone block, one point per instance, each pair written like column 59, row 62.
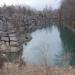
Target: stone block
column 12, row 35
column 14, row 49
column 4, row 38
column 13, row 39
column 3, row 47
column 7, row 43
column 14, row 43
column 11, row 31
column 3, row 33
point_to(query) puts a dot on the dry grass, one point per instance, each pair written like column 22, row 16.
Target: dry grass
column 13, row 69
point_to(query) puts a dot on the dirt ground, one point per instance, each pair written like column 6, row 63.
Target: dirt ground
column 14, row 69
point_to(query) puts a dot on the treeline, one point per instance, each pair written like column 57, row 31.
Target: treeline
column 67, row 12
column 15, row 10
column 23, row 10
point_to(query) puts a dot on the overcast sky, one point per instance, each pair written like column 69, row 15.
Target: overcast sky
column 38, row 4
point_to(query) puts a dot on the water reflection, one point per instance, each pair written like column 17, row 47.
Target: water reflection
column 68, row 38
column 48, row 47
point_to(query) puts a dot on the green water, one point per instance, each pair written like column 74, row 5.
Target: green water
column 54, row 46
column 68, row 40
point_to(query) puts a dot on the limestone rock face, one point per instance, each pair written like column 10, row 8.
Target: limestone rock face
column 9, row 42
column 13, row 30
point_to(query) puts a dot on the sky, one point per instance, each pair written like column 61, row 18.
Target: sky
column 37, row 4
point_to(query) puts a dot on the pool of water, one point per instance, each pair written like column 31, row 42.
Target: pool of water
column 52, row 46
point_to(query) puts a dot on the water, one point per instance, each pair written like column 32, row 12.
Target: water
column 52, row 46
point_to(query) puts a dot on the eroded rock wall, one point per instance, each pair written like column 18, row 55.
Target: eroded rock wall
column 9, row 40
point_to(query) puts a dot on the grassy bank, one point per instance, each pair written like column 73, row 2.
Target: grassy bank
column 13, row 69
